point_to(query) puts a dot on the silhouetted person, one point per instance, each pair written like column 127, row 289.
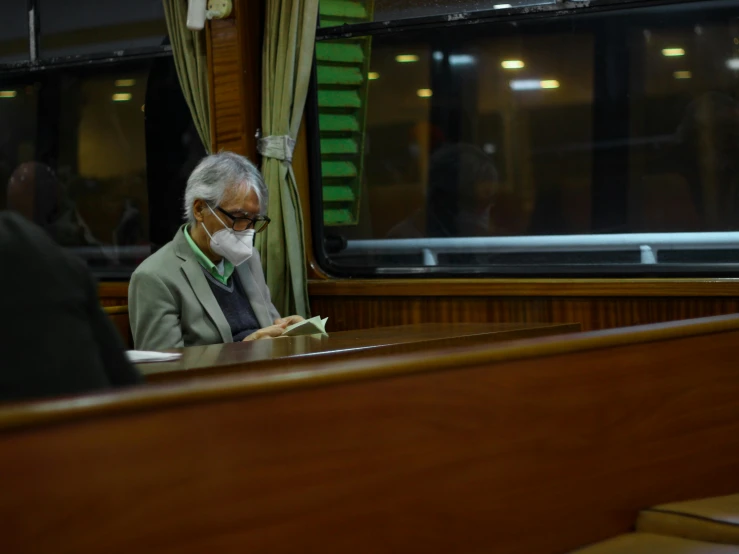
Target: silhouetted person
column 56, row 339
column 464, row 198
column 35, row 193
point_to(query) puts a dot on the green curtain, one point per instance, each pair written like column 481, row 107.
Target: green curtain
column 290, row 31
column 191, row 61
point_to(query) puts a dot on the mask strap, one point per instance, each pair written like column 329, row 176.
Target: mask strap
column 207, row 233
column 206, row 229
column 218, row 218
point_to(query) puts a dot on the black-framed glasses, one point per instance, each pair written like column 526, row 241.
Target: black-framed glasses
column 243, row 223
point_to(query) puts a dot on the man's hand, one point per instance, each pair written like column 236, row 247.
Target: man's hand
column 271, row 332
column 289, row 320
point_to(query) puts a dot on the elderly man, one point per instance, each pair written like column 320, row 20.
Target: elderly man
column 206, row 286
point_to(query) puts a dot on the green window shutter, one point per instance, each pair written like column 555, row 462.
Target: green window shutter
column 342, row 69
column 340, row 12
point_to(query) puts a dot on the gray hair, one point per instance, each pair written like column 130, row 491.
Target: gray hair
column 216, row 174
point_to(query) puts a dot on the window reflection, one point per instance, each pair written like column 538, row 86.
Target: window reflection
column 73, row 148
column 14, row 32
column 619, row 122
column 333, row 13
column 100, row 26
column 80, row 171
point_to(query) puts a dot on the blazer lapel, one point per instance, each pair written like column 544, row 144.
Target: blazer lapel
column 194, row 274
column 254, row 294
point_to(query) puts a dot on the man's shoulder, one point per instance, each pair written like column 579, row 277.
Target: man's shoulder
column 161, row 263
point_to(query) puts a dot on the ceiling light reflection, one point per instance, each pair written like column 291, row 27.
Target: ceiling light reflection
column 461, row 59
column 673, row 52
column 512, row 64
column 533, row 84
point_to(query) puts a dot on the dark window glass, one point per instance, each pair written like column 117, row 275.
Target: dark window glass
column 76, row 157
column 99, row 26
column 14, row 32
column 341, row 12
column 591, row 143
column 18, row 118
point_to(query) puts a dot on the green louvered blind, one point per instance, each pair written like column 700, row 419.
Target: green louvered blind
column 342, row 68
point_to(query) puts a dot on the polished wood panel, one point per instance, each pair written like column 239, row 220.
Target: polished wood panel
column 115, row 310
column 119, row 317
column 527, row 287
column 227, row 124
column 113, row 293
column 291, row 352
column 552, row 444
column 367, row 368
column 594, row 303
column 234, row 61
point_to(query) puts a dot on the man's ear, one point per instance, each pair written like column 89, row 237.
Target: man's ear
column 198, row 208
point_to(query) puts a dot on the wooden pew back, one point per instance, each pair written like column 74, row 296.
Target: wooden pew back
column 540, row 445
column 119, row 316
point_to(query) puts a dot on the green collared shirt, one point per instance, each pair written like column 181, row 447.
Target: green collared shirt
column 228, row 267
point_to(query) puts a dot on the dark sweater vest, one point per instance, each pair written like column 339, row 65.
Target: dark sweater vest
column 235, row 306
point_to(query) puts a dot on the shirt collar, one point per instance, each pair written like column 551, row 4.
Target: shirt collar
column 210, row 267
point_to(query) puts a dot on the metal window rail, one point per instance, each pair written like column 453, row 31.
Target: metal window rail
column 648, row 244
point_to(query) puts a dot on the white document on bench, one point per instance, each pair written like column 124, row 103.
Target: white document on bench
column 143, row 356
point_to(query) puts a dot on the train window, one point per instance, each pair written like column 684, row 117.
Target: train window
column 597, row 141
column 96, row 139
column 79, row 147
column 340, row 12
column 100, row 26
column 14, row 32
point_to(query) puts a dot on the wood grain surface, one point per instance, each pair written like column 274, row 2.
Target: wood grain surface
column 234, row 62
column 479, row 453
column 119, row 316
column 290, row 353
column 593, row 303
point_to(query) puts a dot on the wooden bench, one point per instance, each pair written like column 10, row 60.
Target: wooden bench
column 289, row 353
column 119, row 316
column 539, row 446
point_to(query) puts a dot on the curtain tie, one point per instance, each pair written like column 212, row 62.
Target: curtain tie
column 277, row 147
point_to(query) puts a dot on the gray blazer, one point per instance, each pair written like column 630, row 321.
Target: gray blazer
column 170, row 303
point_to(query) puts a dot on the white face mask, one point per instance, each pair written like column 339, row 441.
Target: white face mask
column 235, row 246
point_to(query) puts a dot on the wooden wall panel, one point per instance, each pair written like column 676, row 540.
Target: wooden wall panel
column 353, row 312
column 234, row 59
column 113, row 294
column 227, row 122
column 594, row 303
column 601, row 304
column 119, row 316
